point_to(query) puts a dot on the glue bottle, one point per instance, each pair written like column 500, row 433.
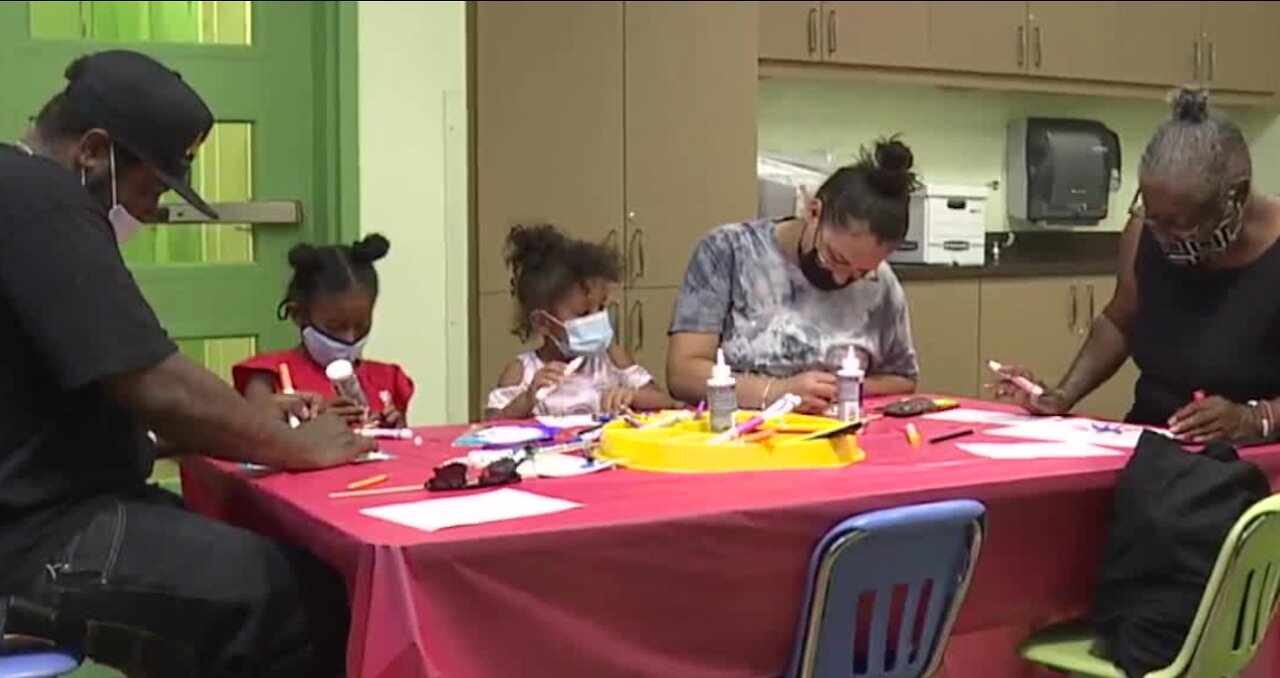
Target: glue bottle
column 849, row 388
column 343, row 377
column 722, row 396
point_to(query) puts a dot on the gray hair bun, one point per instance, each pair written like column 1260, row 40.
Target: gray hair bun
column 1190, row 105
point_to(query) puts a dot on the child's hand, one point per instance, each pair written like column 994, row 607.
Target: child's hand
column 304, row 406
column 617, row 400
column 391, row 417
column 551, row 375
column 348, row 411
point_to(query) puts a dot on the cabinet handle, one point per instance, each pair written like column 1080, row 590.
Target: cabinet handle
column 831, row 32
column 639, row 327
column 613, row 319
column 1195, row 60
column 635, row 252
column 1213, row 60
column 1039, row 49
column 633, row 323
column 1071, row 325
column 1092, row 315
column 611, row 240
column 1022, row 46
column 813, row 31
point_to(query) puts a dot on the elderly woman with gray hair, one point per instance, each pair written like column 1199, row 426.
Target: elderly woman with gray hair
column 1197, row 302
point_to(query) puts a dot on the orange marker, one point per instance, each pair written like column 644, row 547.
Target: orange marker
column 759, row 436
column 913, row 436
column 368, row 482
column 286, row 387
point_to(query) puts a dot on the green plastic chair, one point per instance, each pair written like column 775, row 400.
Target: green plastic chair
column 1232, row 619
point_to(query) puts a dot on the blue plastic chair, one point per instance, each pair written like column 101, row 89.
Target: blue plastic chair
column 39, row 661
column 884, row 590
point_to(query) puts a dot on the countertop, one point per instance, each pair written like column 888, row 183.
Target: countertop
column 1031, row 254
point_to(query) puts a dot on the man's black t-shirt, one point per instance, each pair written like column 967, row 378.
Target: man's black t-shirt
column 71, row 316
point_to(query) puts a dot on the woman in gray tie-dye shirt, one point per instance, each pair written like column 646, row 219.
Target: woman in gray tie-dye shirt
column 786, row 298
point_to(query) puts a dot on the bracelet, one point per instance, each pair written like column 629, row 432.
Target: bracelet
column 1270, row 420
column 764, row 399
column 1264, row 418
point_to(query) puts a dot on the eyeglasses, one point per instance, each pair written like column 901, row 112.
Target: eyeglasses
column 825, row 258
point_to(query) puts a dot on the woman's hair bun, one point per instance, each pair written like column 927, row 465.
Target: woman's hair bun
column 372, row 248
column 304, row 257
column 1190, row 104
column 890, row 171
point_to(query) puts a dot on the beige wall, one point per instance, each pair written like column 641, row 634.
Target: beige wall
column 413, row 172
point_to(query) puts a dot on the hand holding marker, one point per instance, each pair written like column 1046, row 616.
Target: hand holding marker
column 1033, row 389
column 572, row 367
column 286, row 387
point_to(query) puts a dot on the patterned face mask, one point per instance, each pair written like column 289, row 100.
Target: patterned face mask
column 1205, row 243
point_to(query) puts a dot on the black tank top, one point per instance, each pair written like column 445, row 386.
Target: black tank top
column 1196, row 329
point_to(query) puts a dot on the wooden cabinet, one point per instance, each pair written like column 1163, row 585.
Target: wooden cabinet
column 978, row 37
column 632, row 123
column 790, row 31
column 944, row 328
column 1055, row 45
column 690, row 130
column 548, row 124
column 1157, row 43
column 1113, row 399
column 1239, row 49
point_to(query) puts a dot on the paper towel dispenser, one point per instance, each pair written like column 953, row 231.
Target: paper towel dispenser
column 1061, row 171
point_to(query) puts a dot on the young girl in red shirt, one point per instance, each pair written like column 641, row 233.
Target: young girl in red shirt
column 330, row 298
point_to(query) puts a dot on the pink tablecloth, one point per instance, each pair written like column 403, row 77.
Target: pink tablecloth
column 673, row 575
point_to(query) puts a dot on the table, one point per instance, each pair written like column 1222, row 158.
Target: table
column 673, row 575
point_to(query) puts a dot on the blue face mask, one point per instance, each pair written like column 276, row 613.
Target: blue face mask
column 588, row 335
column 325, row 349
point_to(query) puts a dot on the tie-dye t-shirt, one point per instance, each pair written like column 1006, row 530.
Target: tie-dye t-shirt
column 771, row 321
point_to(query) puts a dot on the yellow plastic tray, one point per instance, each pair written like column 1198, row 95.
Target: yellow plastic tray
column 684, row 448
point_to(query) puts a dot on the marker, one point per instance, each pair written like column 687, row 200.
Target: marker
column 702, row 408
column 286, row 387
column 367, row 482
column 951, row 436
column 1034, row 389
column 913, row 436
column 381, row 490
column 387, row 433
column 569, row 369
column 1198, row 396
column 842, row 428
column 668, row 420
column 758, row 436
column 780, row 407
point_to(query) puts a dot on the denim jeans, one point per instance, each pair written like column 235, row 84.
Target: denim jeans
column 153, row 589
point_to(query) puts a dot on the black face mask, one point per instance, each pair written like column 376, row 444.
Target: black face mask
column 812, row 268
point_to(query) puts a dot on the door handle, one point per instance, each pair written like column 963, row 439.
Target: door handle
column 613, row 320
column 1195, row 60
column 831, row 32
column 1022, row 46
column 636, row 252
column 1071, row 324
column 813, row 31
column 280, row 212
column 1092, row 316
column 1039, row 48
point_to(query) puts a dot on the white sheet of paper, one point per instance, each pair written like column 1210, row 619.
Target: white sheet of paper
column 568, row 421
column 1037, row 450
column 1070, row 430
column 971, row 416
column 470, row 509
column 567, row 465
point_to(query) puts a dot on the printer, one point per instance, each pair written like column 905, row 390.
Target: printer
column 946, row 224
column 1061, row 171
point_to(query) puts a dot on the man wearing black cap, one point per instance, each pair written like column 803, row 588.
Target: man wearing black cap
column 91, row 555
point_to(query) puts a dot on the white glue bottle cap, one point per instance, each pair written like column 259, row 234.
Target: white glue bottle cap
column 339, row 370
column 721, row 375
column 850, row 367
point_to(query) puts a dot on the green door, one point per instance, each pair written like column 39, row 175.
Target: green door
column 263, row 69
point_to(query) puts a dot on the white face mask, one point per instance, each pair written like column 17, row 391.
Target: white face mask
column 325, row 349
column 122, row 222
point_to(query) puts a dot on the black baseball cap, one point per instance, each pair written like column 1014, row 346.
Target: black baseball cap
column 148, row 110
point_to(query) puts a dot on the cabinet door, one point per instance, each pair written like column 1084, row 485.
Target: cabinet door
column 1240, row 51
column 1113, row 399
column 790, row 31
column 1031, row 322
column 690, row 129
column 497, row 345
column 876, row 33
column 648, row 317
column 944, row 327
column 548, row 116
column 1157, row 43
column 1073, row 39
column 978, row 37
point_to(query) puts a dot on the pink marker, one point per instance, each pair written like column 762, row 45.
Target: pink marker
column 1021, row 382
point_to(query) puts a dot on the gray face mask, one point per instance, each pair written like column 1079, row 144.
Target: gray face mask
column 1207, row 243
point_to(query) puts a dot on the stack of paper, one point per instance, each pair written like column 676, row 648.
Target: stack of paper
column 471, row 509
column 1080, row 431
column 1037, row 450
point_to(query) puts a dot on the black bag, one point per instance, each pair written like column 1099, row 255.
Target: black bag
column 1171, row 512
